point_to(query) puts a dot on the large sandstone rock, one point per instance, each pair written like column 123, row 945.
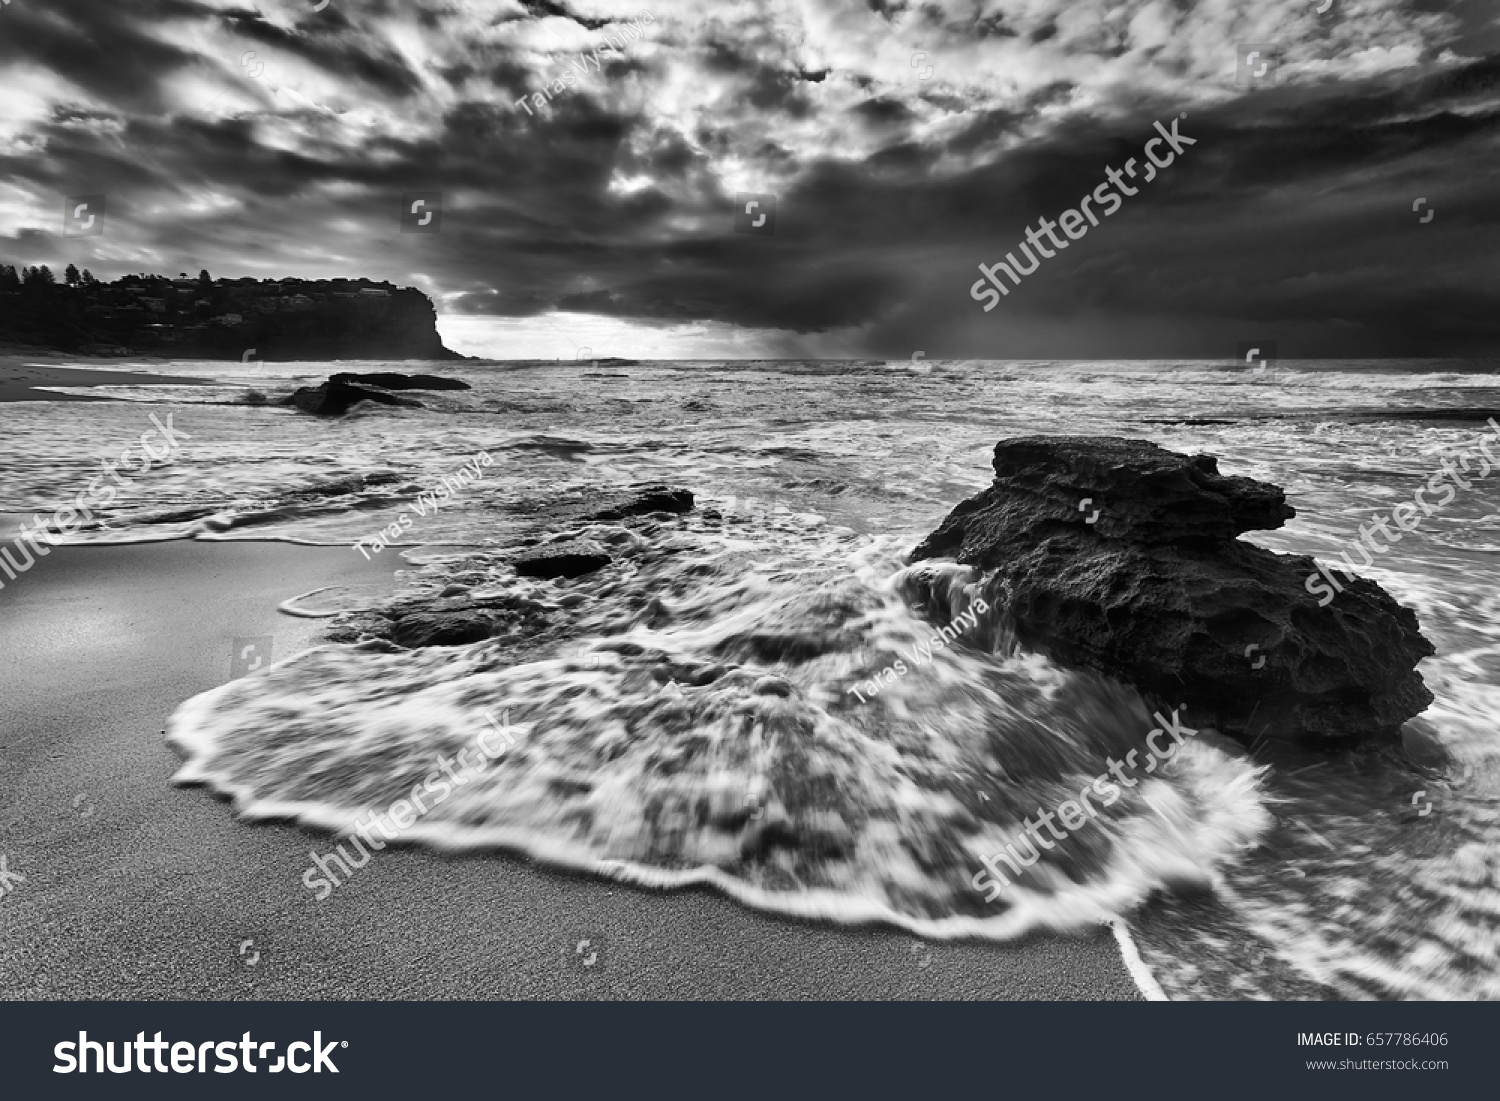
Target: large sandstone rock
column 1156, row 591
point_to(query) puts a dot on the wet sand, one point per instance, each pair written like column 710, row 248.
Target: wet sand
column 135, row 888
column 21, row 375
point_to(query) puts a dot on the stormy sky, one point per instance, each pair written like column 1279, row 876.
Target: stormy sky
column 904, row 144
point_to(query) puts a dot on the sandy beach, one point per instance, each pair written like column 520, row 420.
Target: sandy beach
column 135, row 888
column 21, row 376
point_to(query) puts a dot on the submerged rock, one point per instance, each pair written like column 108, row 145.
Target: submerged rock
column 1120, row 556
column 594, row 504
column 566, row 558
column 334, row 399
column 453, row 618
column 442, row 628
column 639, row 501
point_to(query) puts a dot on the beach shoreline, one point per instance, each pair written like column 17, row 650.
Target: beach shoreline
column 24, row 378
column 138, row 889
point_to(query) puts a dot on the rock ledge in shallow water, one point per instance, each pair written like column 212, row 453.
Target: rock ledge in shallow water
column 568, row 558
column 334, row 399
column 1157, row 591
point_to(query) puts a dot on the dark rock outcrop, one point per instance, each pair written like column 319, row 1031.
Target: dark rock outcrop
column 391, row 380
column 443, row 628
column 456, row 618
column 552, row 544
column 334, row 399
column 575, row 557
column 1121, row 557
column 566, row 558
column 593, row 505
column 641, row 501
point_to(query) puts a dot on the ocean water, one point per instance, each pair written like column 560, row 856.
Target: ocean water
column 699, row 711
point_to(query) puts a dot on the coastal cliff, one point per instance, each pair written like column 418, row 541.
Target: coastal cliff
column 203, row 318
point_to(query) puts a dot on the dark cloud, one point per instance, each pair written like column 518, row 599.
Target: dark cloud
column 543, row 8
column 107, row 50
column 333, row 46
column 1291, row 218
column 881, row 110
